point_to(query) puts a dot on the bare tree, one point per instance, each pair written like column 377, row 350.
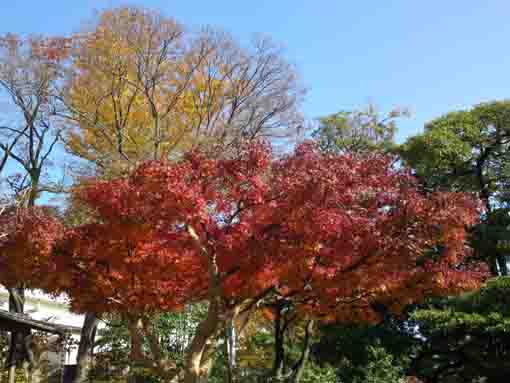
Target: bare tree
column 243, row 94
column 30, row 72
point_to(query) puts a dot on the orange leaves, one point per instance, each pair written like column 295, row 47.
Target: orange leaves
column 26, row 249
column 53, row 49
column 335, row 234
column 49, row 49
column 373, row 226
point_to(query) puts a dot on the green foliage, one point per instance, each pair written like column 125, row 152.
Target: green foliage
column 486, row 237
column 468, row 336
column 319, row 373
column 464, row 150
column 367, row 353
column 357, row 131
column 174, row 330
column 439, row 156
column 381, row 368
column 256, row 354
column 486, row 310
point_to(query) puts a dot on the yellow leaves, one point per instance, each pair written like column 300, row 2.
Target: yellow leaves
column 383, row 288
column 64, row 280
column 121, row 93
column 141, row 89
column 268, row 313
column 440, row 280
column 315, row 248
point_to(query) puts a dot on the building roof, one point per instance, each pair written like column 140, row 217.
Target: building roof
column 17, row 322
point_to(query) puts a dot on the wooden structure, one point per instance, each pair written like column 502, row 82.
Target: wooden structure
column 22, row 323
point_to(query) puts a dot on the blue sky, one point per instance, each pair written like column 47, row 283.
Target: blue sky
column 432, row 56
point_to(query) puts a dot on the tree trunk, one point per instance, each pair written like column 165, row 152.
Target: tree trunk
column 11, row 358
column 32, row 363
column 84, row 358
column 17, row 351
column 279, row 351
column 493, row 266
column 230, row 350
column 300, row 365
column 232, row 342
column 36, row 375
column 502, row 266
column 228, row 366
column 152, row 357
column 198, row 356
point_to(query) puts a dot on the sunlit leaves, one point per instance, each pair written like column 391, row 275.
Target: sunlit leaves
column 335, row 233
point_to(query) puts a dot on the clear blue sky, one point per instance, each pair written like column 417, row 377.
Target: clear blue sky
column 433, row 56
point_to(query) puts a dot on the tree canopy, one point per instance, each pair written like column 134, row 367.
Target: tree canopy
column 199, row 207
column 358, row 131
column 465, row 150
column 141, row 86
column 309, row 226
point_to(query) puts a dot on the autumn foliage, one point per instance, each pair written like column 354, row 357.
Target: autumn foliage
column 26, row 247
column 188, row 206
column 144, row 87
column 337, row 234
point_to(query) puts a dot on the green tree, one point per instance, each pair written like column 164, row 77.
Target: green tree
column 358, row 130
column 465, row 150
column 467, row 336
column 381, row 368
column 362, row 353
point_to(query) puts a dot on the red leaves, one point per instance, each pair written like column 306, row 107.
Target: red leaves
column 29, row 238
column 350, row 230
column 335, row 233
column 50, row 49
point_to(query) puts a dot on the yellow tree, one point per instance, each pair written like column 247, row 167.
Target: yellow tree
column 122, row 75
column 141, row 87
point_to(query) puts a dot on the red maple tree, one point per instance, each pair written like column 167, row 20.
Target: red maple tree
column 335, row 233
column 27, row 240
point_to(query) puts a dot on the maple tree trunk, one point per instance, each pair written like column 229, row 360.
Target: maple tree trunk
column 199, row 355
column 152, row 357
column 32, row 363
column 84, row 358
column 36, row 375
column 200, row 352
